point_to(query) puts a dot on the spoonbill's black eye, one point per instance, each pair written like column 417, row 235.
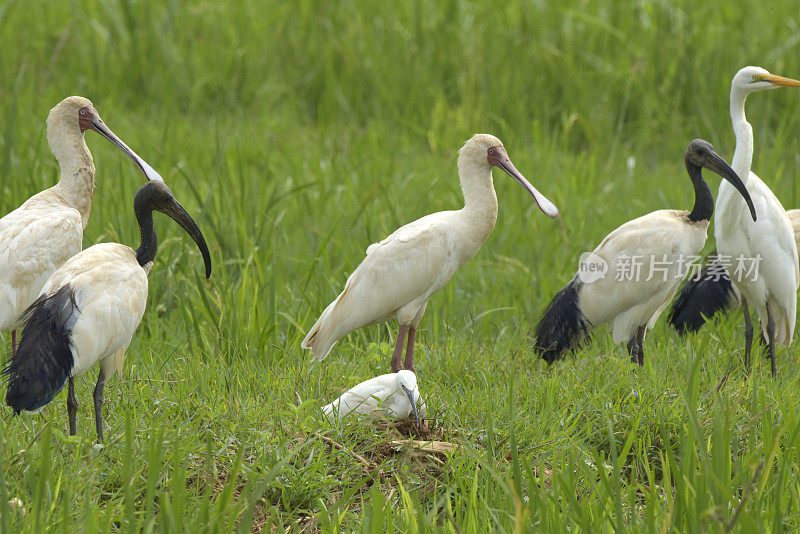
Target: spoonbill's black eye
column 491, row 152
column 83, row 112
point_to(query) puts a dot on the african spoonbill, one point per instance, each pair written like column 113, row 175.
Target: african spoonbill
column 46, row 230
column 400, row 273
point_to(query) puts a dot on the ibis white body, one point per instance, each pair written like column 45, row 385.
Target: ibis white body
column 770, row 239
column 110, row 290
column 662, row 242
column 89, row 310
column 382, row 395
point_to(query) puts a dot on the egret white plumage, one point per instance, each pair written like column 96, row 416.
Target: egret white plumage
column 88, row 311
column 712, row 291
column 664, row 242
column 770, row 239
column 400, row 273
column 394, row 394
column 46, row 230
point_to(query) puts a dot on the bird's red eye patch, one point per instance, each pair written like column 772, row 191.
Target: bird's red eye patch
column 85, row 116
column 493, row 154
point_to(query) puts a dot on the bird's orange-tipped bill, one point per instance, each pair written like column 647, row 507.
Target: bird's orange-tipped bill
column 780, row 80
column 176, row 212
column 100, row 127
column 504, row 162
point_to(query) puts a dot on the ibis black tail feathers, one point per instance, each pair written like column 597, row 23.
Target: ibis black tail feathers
column 702, row 297
column 44, row 358
column 563, row 325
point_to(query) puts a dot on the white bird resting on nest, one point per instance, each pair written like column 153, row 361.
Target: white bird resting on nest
column 394, row 394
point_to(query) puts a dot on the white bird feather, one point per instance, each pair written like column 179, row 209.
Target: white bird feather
column 88, row 311
column 400, row 274
column 107, row 319
column 382, row 395
column 644, row 261
column 664, row 235
column 769, row 240
column 46, row 230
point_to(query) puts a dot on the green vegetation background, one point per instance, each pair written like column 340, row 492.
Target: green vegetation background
column 297, row 133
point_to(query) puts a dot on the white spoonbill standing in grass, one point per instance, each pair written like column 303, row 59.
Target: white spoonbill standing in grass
column 88, row 312
column 400, row 273
column 40, row 235
column 712, row 291
column 393, row 394
column 663, row 242
column 770, row 239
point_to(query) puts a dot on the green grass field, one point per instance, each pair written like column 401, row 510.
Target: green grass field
column 297, row 134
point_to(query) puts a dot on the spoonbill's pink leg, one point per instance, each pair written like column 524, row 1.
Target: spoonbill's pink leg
column 409, row 361
column 398, row 348
column 13, row 343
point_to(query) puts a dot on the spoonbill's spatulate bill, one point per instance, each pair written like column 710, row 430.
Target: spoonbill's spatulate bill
column 770, row 239
column 88, row 312
column 400, row 273
column 39, row 236
column 712, row 291
column 395, row 395
column 662, row 242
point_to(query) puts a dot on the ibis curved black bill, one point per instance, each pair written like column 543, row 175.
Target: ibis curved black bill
column 100, row 127
column 500, row 158
column 176, row 212
column 720, row 166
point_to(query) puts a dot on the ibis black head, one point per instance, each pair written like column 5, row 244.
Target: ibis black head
column 156, row 196
column 701, row 153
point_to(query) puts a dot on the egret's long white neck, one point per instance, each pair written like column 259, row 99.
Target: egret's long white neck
column 480, row 200
column 76, row 186
column 743, row 155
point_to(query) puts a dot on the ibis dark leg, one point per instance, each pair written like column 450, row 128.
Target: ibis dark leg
column 640, row 343
column 98, row 404
column 72, row 407
column 398, row 348
column 409, row 361
column 748, row 335
column 633, row 348
column 13, row 343
column 771, row 336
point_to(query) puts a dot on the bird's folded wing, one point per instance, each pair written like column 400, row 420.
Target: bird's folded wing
column 33, row 244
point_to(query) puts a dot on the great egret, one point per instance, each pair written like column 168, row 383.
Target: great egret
column 769, row 240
